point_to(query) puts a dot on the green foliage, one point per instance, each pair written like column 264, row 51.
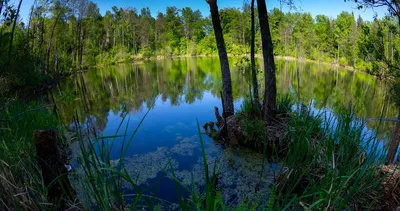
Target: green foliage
column 76, row 36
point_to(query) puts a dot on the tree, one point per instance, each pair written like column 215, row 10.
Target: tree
column 323, row 32
column 345, row 29
column 276, row 21
column 252, row 56
column 13, row 30
column 192, row 26
column 174, row 30
column 269, row 103
column 393, row 7
column 228, row 109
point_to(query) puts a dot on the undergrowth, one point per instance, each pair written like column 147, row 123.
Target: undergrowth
column 21, row 180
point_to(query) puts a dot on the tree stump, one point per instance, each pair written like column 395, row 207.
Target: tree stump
column 54, row 172
column 229, row 128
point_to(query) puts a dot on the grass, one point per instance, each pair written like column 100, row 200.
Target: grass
column 325, row 167
column 21, row 180
column 325, row 164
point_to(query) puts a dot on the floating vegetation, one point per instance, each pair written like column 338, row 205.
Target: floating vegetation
column 146, row 166
column 243, row 174
column 178, row 127
column 186, row 146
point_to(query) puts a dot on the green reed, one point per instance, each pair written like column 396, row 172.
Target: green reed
column 327, row 165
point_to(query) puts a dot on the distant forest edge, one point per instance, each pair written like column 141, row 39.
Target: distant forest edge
column 65, row 36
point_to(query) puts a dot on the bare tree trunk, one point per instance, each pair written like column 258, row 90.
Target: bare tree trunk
column 121, row 32
column 13, row 31
column 29, row 24
column 394, row 145
column 269, row 104
column 41, row 40
column 391, row 45
column 252, row 55
column 50, row 41
column 82, row 40
column 223, row 58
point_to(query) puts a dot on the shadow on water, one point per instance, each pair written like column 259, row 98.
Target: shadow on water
column 179, row 91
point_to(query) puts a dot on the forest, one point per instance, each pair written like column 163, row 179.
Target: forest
column 64, row 36
column 245, row 108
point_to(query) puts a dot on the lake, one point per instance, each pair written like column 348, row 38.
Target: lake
column 169, row 97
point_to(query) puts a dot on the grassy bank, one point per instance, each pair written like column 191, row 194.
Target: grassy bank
column 325, row 165
column 329, row 162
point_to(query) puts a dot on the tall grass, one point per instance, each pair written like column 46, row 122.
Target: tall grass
column 327, row 166
column 100, row 179
column 20, row 176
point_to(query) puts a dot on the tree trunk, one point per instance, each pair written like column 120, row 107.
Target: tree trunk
column 29, row 24
column 269, row 104
column 252, row 55
column 394, row 145
column 223, row 58
column 50, row 41
column 13, row 31
column 51, row 162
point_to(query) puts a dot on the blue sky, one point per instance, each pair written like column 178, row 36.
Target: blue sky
column 330, row 8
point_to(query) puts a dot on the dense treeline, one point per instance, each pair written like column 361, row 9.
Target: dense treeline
column 65, row 36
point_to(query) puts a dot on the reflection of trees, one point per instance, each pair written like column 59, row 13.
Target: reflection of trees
column 134, row 87
column 336, row 88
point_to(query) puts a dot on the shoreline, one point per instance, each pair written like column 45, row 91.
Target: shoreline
column 277, row 57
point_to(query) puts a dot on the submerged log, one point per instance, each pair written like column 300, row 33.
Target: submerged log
column 54, row 172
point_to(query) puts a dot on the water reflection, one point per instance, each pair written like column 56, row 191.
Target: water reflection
column 180, row 91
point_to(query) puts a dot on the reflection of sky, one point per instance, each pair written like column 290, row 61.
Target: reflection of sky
column 162, row 124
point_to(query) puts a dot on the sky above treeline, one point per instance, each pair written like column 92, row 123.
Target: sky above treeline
column 330, row 8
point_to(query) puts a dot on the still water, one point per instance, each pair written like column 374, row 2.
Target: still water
column 176, row 94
